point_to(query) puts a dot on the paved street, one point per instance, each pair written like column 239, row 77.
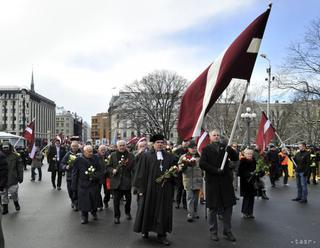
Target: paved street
column 46, row 220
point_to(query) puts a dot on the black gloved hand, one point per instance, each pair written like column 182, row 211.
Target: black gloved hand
column 229, row 149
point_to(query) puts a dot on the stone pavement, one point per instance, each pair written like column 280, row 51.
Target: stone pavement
column 46, row 220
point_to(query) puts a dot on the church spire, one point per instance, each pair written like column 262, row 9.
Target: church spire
column 32, row 82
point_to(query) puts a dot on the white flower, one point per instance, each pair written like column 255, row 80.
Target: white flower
column 86, row 172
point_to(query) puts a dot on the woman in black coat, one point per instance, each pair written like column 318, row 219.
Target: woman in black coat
column 247, row 176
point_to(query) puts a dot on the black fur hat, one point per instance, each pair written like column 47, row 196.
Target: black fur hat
column 156, row 137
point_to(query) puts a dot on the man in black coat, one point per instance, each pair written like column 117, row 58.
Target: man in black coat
column 155, row 199
column 86, row 180
column 120, row 169
column 55, row 155
column 67, row 163
column 219, row 187
column 3, row 184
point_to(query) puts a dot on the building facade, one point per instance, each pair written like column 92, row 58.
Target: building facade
column 19, row 106
column 65, row 123
column 100, row 128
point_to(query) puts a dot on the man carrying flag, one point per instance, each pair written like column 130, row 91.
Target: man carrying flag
column 237, row 61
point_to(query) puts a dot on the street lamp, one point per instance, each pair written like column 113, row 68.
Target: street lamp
column 269, row 82
column 248, row 116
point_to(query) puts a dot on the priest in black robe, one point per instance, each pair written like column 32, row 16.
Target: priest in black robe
column 154, row 212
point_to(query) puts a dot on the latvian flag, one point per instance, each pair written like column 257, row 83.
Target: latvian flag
column 265, row 133
column 237, row 61
column 29, row 135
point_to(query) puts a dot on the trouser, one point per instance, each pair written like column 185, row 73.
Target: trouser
column 235, row 180
column 1, row 232
column 53, row 178
column 273, row 174
column 181, row 193
column 71, row 193
column 13, row 190
column 247, row 205
column 313, row 171
column 302, row 186
column 213, row 223
column 100, row 203
column 284, row 170
column 192, row 201
column 85, row 214
column 33, row 173
column 117, row 195
column 107, row 193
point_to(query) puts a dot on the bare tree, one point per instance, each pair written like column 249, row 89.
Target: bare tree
column 153, row 102
column 301, row 70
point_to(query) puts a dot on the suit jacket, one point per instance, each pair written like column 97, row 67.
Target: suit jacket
column 54, row 159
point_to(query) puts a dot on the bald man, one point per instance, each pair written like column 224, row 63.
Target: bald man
column 87, row 184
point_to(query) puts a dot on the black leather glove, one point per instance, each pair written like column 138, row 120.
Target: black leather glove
column 229, row 149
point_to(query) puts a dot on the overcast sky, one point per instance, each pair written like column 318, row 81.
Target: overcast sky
column 83, row 51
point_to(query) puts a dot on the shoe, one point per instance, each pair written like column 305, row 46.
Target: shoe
column 39, row 179
column 189, row 218
column 220, row 216
column 59, row 188
column 163, row 240
column 237, row 198
column 229, row 236
column 184, row 206
column 251, row 216
column 95, row 216
column 5, row 209
column 303, row 201
column 177, row 206
column 196, row 216
column 54, row 186
column 315, row 183
column 286, row 184
column 246, row 216
column 16, row 205
column 145, row 235
column 32, row 180
column 84, row 220
column 214, row 236
column 129, row 217
column 296, row 199
column 116, row 221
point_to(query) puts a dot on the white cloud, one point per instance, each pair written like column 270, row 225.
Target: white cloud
column 82, row 49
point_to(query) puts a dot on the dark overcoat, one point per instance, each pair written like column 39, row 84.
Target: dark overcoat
column 87, row 188
column 155, row 206
column 247, row 180
column 54, row 164
column 123, row 178
column 219, row 187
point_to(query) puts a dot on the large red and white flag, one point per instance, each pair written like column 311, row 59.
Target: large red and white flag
column 265, row 133
column 237, row 61
column 29, row 135
column 202, row 141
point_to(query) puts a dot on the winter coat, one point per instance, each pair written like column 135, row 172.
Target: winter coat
column 37, row 160
column 219, row 187
column 247, row 179
column 53, row 160
column 15, row 169
column 123, row 178
column 302, row 159
column 191, row 172
column 3, row 171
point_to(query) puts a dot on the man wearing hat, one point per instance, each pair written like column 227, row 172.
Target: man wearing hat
column 3, row 184
column 155, row 199
column 15, row 176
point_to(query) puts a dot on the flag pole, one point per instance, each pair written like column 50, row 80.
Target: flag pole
column 235, row 124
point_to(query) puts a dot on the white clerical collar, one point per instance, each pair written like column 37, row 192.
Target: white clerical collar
column 159, row 155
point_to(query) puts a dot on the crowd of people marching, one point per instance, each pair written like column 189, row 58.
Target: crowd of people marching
column 160, row 175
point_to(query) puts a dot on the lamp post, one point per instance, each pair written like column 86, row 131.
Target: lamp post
column 248, row 116
column 269, row 82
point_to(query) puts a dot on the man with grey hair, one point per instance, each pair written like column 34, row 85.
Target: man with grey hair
column 120, row 169
column 219, row 187
column 67, row 165
column 86, row 180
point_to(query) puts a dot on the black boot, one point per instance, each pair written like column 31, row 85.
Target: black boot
column 264, row 195
column 5, row 209
column 16, row 205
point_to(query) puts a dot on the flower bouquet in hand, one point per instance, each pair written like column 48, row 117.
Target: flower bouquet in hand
column 90, row 172
column 71, row 160
column 172, row 172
